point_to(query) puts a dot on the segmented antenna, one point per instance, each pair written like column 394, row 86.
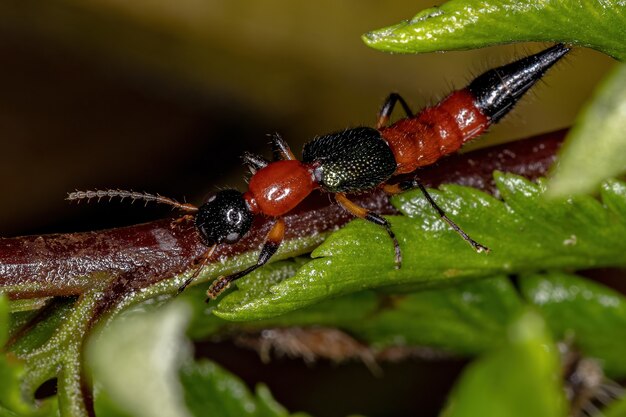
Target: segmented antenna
column 133, row 195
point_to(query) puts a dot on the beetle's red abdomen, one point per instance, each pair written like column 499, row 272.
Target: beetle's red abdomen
column 279, row 187
column 435, row 131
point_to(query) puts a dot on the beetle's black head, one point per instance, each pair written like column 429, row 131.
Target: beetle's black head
column 224, row 218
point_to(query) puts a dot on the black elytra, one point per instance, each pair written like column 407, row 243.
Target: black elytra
column 353, row 160
column 225, row 217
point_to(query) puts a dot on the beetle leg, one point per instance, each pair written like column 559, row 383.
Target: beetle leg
column 281, row 149
column 387, row 109
column 272, row 243
column 205, row 259
column 254, row 162
column 407, row 185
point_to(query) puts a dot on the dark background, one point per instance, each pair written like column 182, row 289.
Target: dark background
column 165, row 96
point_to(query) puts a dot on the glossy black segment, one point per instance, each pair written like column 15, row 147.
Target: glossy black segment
column 496, row 91
column 224, row 218
column 269, row 249
column 376, row 219
column 239, row 274
column 352, row 160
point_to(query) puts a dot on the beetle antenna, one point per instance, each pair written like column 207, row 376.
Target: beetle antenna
column 133, row 195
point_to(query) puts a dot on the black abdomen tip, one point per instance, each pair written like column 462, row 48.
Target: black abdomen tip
column 498, row 90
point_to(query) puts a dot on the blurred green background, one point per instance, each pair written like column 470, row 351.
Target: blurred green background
column 164, row 96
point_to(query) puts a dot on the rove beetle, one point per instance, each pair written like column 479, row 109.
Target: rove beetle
column 355, row 160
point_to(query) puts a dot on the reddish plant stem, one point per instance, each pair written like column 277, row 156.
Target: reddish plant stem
column 142, row 255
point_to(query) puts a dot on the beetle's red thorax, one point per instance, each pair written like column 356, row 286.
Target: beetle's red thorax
column 279, row 187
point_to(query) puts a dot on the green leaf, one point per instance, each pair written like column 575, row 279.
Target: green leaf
column 38, row 335
column 12, row 373
column 335, row 313
column 4, row 320
column 591, row 315
column 106, row 407
column 595, row 148
column 56, row 352
column 616, row 409
column 11, row 370
column 212, row 391
column 519, row 379
column 148, row 352
column 27, row 304
column 466, row 24
column 143, row 352
column 525, row 232
column 465, row 319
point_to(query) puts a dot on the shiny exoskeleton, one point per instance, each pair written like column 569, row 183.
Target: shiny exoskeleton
column 356, row 160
